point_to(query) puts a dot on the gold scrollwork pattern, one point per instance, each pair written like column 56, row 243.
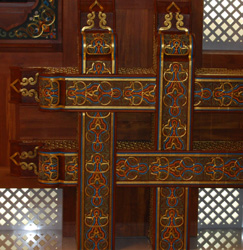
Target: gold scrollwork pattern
column 103, row 22
column 173, row 218
column 99, row 43
column 97, row 221
column 30, row 93
column 219, row 169
column 71, row 168
column 98, row 68
column 29, row 166
column 169, row 17
column 58, row 167
column 30, row 83
column 96, row 178
column 17, row 158
column 175, row 92
column 218, row 93
column 90, row 21
column 131, row 169
column 30, row 154
column 137, row 93
column 229, row 94
column 118, row 92
column 95, row 46
column 41, row 24
column 176, row 45
column 49, row 92
column 48, row 168
column 185, row 168
column 175, row 104
column 91, row 17
column 102, row 93
column 173, row 132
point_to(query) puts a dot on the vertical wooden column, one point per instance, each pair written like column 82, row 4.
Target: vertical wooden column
column 96, row 131
column 96, row 180
column 172, row 216
column 175, row 75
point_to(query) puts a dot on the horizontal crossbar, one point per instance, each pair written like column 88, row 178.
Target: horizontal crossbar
column 119, row 93
column 164, row 168
column 192, row 168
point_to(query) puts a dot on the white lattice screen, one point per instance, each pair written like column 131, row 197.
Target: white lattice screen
column 30, row 209
column 219, row 239
column 30, row 219
column 222, row 25
column 220, row 208
column 25, row 240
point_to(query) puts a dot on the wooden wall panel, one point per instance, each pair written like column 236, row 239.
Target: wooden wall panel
column 134, row 25
column 215, row 126
column 70, row 30
column 47, row 125
column 67, row 56
column 3, row 117
column 132, row 211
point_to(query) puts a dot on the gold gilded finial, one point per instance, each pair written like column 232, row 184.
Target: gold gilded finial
column 168, row 17
column 173, row 4
column 91, row 16
column 94, row 4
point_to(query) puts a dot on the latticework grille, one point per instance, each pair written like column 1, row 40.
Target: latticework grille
column 219, row 239
column 219, row 208
column 30, row 209
column 222, row 25
column 24, row 240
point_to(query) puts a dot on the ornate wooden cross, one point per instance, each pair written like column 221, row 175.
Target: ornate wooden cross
column 171, row 93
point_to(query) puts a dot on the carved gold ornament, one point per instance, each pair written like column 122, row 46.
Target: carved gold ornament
column 25, row 82
column 26, row 155
column 91, row 16
column 168, row 18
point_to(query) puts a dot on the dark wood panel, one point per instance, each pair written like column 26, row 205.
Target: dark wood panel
column 132, row 211
column 70, row 30
column 9, row 181
column 69, row 211
column 193, row 211
column 33, row 56
column 4, row 119
column 197, row 30
column 12, row 15
column 134, row 126
column 135, row 37
column 222, row 59
column 47, row 125
column 226, row 126
column 135, row 4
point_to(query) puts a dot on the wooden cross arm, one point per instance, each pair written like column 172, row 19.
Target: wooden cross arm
column 152, row 168
column 114, row 93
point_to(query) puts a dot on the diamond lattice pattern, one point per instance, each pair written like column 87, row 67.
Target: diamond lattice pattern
column 30, row 209
column 222, row 25
column 23, row 240
column 219, row 208
column 218, row 239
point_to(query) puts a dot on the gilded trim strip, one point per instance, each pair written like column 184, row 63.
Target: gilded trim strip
column 96, row 186
column 175, row 86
